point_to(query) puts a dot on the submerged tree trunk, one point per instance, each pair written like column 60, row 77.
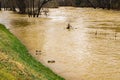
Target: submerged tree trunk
column 21, row 5
column 4, row 5
column 33, row 6
column 12, row 5
column 0, row 6
column 40, row 5
column 91, row 4
column 109, row 4
column 29, row 11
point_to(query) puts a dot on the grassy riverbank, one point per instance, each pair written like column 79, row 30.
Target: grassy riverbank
column 17, row 64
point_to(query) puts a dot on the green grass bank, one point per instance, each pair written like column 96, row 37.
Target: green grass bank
column 17, row 64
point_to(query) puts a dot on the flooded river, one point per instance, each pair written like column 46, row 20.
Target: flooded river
column 89, row 51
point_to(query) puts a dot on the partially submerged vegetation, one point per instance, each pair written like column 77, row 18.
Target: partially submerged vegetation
column 17, row 64
column 34, row 7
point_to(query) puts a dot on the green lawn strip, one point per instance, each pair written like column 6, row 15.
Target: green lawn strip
column 18, row 53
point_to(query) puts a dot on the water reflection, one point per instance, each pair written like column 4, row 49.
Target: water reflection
column 90, row 51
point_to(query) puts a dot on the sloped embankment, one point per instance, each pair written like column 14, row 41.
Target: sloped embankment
column 17, row 64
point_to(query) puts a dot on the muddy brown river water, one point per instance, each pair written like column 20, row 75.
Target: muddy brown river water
column 89, row 51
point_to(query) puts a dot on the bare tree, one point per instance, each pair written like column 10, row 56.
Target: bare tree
column 21, row 5
column 40, row 5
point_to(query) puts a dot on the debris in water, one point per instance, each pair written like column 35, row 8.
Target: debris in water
column 115, row 35
column 51, row 61
column 38, row 52
column 69, row 27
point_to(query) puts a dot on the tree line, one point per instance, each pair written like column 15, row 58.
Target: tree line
column 108, row 4
column 105, row 4
column 30, row 7
column 33, row 7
